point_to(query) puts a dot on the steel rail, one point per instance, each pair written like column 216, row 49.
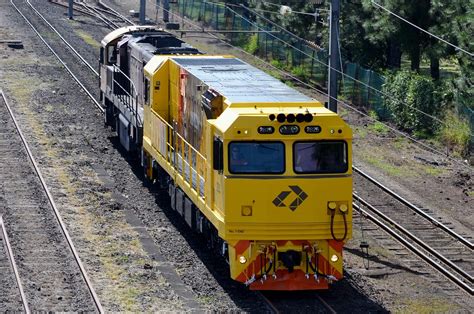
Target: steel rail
column 55, row 209
column 62, row 38
column 115, row 11
column 109, row 23
column 97, row 104
column 388, row 227
column 269, row 303
column 415, row 208
column 11, row 258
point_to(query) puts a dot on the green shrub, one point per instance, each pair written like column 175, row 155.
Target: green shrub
column 411, row 97
column 300, row 72
column 455, row 133
column 252, row 44
column 277, row 64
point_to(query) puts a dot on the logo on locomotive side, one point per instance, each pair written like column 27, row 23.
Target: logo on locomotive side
column 300, row 197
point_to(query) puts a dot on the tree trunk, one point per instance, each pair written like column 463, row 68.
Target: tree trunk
column 415, row 58
column 394, row 55
column 434, row 67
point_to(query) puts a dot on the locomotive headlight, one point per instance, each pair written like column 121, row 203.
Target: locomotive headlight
column 242, row 259
column 334, row 258
column 332, row 205
column 343, row 208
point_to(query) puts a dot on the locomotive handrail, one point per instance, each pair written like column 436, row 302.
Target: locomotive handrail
column 133, row 95
column 179, row 135
column 187, row 160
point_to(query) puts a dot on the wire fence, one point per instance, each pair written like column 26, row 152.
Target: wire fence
column 292, row 53
column 282, row 48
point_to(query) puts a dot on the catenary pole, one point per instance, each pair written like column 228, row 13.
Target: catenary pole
column 142, row 11
column 70, row 13
column 166, row 8
column 334, row 64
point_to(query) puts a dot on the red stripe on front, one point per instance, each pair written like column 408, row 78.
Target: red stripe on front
column 241, row 246
column 336, row 245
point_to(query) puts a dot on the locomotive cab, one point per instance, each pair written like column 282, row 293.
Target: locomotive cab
column 285, row 190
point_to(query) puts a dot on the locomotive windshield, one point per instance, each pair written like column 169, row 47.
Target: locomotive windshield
column 320, row 157
column 257, row 157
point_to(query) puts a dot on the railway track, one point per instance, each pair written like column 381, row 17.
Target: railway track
column 12, row 296
column 422, row 225
column 431, row 221
column 428, row 238
column 48, row 263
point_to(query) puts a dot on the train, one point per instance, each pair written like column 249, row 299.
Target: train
column 259, row 170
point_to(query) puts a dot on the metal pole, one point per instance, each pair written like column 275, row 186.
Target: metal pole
column 142, row 11
column 166, row 8
column 333, row 55
column 70, row 10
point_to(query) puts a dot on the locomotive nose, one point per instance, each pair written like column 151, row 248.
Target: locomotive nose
column 290, row 259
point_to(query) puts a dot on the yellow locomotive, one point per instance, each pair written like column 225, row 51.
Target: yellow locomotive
column 262, row 171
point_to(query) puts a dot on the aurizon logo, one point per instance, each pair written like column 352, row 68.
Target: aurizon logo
column 300, row 197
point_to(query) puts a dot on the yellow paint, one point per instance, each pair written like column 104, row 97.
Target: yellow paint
column 225, row 196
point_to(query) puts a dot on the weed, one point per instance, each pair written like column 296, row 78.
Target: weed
column 277, row 64
column 300, row 72
column 377, row 126
column 252, row 44
column 386, row 166
column 455, row 133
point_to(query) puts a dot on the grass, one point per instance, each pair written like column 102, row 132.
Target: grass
column 431, row 305
column 390, row 169
column 360, row 132
column 400, row 142
column 377, row 127
column 88, row 39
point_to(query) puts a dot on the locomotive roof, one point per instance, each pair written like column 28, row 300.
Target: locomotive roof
column 240, row 82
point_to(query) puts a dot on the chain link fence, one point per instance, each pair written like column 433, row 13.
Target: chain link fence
column 291, row 53
column 284, row 49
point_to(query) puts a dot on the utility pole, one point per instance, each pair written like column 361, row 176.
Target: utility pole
column 142, row 12
column 166, row 10
column 70, row 10
column 333, row 55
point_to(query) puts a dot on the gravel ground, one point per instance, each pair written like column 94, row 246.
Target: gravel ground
column 9, row 294
column 83, row 160
column 99, row 192
column 49, row 273
column 410, row 170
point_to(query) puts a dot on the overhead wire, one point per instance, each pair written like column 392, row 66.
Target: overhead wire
column 421, row 29
column 338, row 71
column 422, row 145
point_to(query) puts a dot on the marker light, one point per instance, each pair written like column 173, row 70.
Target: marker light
column 308, row 117
column 343, row 208
column 332, row 205
column 300, row 117
column 242, row 259
column 334, row 258
column 271, row 117
column 281, row 118
column 290, row 118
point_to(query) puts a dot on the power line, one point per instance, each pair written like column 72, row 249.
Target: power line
column 421, row 29
column 425, row 146
column 340, row 72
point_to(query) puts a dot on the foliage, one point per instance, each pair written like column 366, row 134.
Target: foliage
column 377, row 126
column 300, row 72
column 411, row 101
column 455, row 133
column 252, row 44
